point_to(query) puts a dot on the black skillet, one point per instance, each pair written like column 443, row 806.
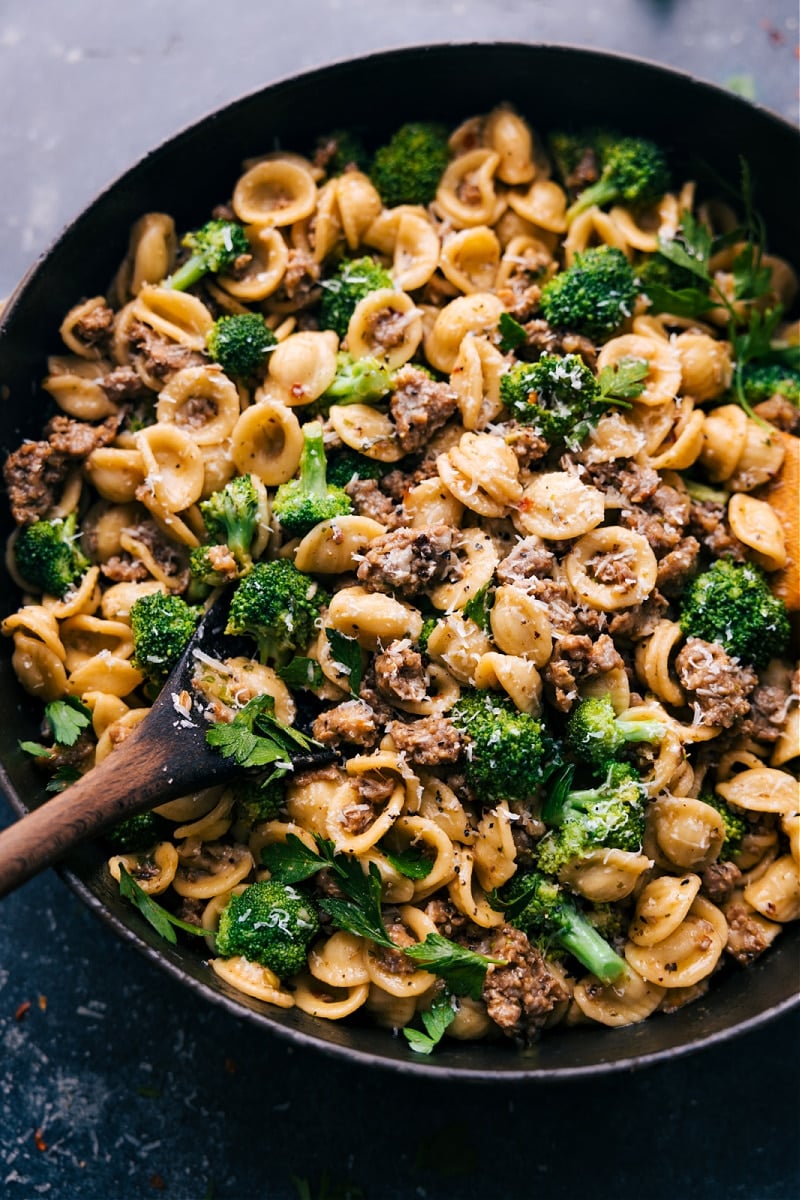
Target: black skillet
column 705, row 130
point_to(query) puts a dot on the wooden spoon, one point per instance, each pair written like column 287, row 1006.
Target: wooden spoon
column 166, row 756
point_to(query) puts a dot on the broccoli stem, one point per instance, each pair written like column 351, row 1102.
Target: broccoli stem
column 640, row 731
column 583, row 942
column 312, row 462
column 599, row 193
column 193, row 269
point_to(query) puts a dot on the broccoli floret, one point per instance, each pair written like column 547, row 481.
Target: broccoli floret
column 558, row 397
column 345, row 465
column 210, row 567
column 735, row 825
column 596, row 735
column 658, row 272
column 763, row 380
column 610, row 921
column 593, row 296
column 578, row 156
column 354, row 280
column 302, row 503
column 506, row 750
column 634, row 171
column 542, row 910
column 277, row 605
column 409, row 168
column 358, row 380
column 214, row 247
column 231, row 516
column 270, row 923
column 610, row 816
column 342, row 149
column 428, row 626
column 732, row 605
column 139, row 832
column 48, row 556
column 260, row 799
column 240, row 343
column 162, row 625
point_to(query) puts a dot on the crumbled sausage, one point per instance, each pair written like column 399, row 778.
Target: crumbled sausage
column 633, row 624
column 300, row 283
column 678, row 566
column 527, row 560
column 353, row 721
column 123, row 385
column 410, row 560
column 77, row 439
column 528, row 446
column 34, row 475
column 395, row 961
column 160, row 357
column 543, row 339
column 718, row 686
column 370, row 501
column 94, row 326
column 719, row 881
column 746, row 936
column 399, row 672
column 520, row 996
column 708, row 523
column 576, row 657
column 781, row 413
column 769, row 707
column 427, row 742
column 419, row 406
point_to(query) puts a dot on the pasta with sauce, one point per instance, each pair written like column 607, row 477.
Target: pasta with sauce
column 491, row 548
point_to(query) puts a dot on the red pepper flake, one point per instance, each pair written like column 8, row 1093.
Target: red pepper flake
column 774, row 35
column 22, row 1011
column 157, row 1182
column 38, row 1138
column 230, row 1066
column 43, row 1003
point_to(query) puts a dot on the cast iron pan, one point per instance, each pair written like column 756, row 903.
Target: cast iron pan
column 704, row 129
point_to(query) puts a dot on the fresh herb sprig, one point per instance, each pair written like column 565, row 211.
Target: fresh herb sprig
column 67, row 719
column 346, row 654
column 161, row 920
column 292, row 861
column 623, row 381
column 256, row 738
column 692, row 250
column 436, row 1020
column 479, row 608
column 512, row 334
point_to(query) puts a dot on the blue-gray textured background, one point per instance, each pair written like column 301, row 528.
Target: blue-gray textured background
column 130, row 1088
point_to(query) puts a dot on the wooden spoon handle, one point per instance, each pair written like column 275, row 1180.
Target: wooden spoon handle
column 130, row 780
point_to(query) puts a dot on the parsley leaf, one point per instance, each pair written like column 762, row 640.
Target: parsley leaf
column 411, row 862
column 463, row 970
column 683, row 302
column 360, row 914
column 161, row 920
column 67, row 719
column 511, row 333
column 479, row 608
column 255, row 737
column 36, row 749
column 292, row 861
column 436, row 1020
column 623, row 380
column 63, row 777
column 690, row 248
column 346, row 654
column 301, row 673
